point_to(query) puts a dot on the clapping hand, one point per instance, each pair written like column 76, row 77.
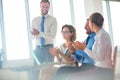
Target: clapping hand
column 79, row 45
column 72, row 49
column 54, row 51
column 35, row 32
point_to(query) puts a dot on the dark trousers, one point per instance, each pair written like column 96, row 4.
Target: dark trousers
column 84, row 72
column 64, row 71
column 96, row 73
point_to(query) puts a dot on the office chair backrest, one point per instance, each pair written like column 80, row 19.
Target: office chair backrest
column 114, row 58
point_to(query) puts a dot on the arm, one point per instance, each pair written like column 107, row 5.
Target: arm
column 100, row 48
column 58, row 54
column 52, row 30
column 66, row 58
column 35, row 27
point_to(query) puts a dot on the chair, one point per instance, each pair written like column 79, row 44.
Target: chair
column 114, row 58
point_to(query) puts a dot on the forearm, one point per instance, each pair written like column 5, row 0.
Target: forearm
column 47, row 35
column 66, row 58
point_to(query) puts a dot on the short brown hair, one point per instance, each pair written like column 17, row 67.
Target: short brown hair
column 97, row 19
column 45, row 1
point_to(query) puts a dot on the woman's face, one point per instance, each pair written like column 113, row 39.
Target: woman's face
column 66, row 33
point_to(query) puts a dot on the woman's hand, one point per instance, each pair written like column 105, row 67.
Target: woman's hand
column 54, row 51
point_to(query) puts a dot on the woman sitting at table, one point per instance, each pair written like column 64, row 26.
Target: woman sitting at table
column 63, row 53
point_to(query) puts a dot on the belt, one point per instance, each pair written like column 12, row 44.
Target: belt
column 45, row 45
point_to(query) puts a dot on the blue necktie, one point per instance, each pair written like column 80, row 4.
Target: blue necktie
column 87, row 40
column 42, row 39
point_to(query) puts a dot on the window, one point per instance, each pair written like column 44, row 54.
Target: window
column 112, row 19
column 0, row 39
column 0, row 35
column 34, row 9
column 80, row 19
column 15, row 27
column 115, row 16
column 0, row 28
column 61, row 11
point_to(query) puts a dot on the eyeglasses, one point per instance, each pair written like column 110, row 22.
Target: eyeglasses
column 65, row 32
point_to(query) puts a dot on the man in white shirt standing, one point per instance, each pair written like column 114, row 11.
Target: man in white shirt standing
column 44, row 29
column 48, row 34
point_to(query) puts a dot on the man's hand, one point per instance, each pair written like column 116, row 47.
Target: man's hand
column 35, row 32
column 79, row 46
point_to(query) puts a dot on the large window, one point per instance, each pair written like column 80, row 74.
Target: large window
column 112, row 19
column 16, row 36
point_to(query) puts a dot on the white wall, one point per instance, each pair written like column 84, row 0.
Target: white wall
column 92, row 6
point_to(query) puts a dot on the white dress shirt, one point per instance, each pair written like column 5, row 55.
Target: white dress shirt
column 101, row 50
column 50, row 29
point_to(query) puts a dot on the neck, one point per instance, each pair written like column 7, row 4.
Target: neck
column 67, row 43
column 96, row 29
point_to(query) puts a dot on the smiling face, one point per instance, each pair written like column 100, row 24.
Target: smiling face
column 87, row 28
column 91, row 26
column 44, row 7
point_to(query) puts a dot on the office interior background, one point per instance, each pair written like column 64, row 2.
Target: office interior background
column 16, row 17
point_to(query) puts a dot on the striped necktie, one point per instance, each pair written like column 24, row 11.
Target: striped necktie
column 42, row 39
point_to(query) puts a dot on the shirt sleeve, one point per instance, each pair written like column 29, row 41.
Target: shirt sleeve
column 52, row 31
column 100, row 48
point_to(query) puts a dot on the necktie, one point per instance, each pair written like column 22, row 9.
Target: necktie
column 42, row 39
column 87, row 40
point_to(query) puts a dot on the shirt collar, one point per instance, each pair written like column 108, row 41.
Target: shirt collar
column 45, row 15
column 92, row 34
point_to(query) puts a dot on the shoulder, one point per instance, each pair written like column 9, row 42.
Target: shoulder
column 104, row 36
column 103, row 33
column 51, row 17
column 62, row 45
column 36, row 18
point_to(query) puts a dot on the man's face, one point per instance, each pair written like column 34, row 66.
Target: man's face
column 88, row 31
column 44, row 8
column 91, row 26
